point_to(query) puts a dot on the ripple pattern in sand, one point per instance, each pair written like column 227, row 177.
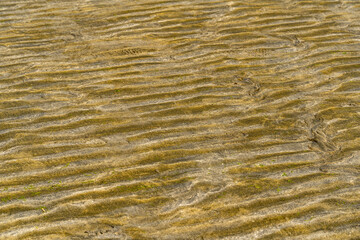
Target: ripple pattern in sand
column 158, row 119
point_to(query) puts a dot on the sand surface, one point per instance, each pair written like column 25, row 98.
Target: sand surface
column 159, row 119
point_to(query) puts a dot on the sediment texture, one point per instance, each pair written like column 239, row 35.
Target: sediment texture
column 157, row 119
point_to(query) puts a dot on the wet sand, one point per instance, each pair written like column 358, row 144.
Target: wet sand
column 158, row 119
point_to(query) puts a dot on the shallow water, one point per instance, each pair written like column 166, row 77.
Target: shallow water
column 157, row 119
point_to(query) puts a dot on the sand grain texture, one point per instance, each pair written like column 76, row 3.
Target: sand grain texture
column 197, row 119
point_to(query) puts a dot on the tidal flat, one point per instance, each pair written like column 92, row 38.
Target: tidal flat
column 158, row 119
